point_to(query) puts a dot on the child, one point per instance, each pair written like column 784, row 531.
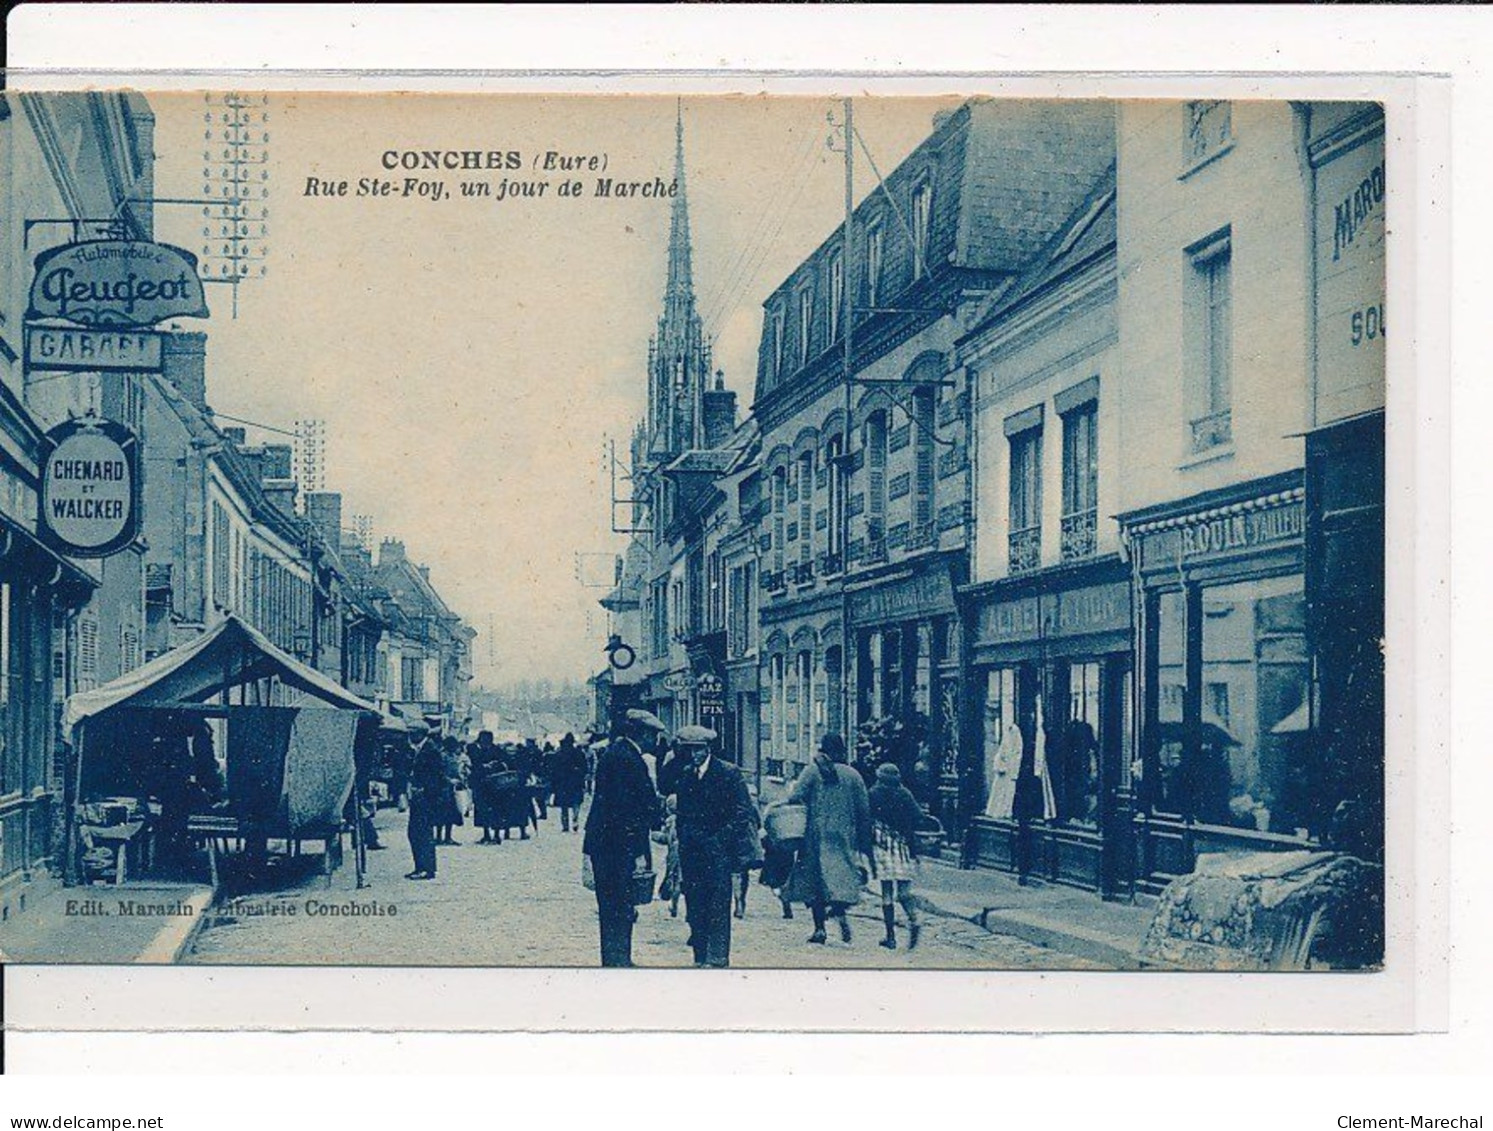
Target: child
column 895, row 817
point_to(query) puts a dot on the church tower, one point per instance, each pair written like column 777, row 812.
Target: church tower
column 678, row 358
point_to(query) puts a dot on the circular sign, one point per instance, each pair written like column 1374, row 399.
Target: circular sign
column 622, row 656
column 89, row 504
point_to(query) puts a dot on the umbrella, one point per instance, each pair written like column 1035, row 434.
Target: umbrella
column 1209, row 734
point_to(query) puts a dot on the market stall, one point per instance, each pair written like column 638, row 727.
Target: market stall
column 225, row 740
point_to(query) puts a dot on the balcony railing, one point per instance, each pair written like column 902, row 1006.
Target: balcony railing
column 872, row 553
column 1026, row 549
column 923, row 535
column 1212, row 431
column 775, row 582
column 1079, row 534
column 831, row 564
column 802, row 573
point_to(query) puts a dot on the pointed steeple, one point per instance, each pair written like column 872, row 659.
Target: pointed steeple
column 679, row 293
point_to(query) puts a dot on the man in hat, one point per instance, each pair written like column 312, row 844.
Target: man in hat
column 427, row 786
column 717, row 825
column 624, row 808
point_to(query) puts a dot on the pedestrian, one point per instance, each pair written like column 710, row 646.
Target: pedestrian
column 830, row 872
column 450, row 814
column 895, row 818
column 623, row 810
column 427, row 787
column 717, row 835
column 487, row 763
column 568, row 780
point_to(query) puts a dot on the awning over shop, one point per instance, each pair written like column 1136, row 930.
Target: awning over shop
column 21, row 551
column 230, row 654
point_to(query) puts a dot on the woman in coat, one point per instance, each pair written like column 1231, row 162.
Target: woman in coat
column 487, row 761
column 568, row 780
column 830, row 870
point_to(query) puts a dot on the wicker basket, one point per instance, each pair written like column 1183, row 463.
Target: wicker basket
column 787, row 822
column 644, row 882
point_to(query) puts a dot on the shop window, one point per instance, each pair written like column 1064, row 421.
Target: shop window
column 1002, row 741
column 1076, row 771
column 1250, row 764
column 1211, row 342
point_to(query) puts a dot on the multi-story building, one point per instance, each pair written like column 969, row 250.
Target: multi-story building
column 427, row 647
column 1216, row 362
column 865, row 472
column 71, row 167
column 1345, row 483
column 1049, row 599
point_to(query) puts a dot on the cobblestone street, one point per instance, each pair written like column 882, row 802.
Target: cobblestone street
column 523, row 904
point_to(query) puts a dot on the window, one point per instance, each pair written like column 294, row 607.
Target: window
column 875, row 250
column 804, row 668
column 806, row 507
column 922, row 226
column 779, row 517
column 1026, row 499
column 778, row 700
column 874, row 439
column 1080, row 481
column 1209, row 132
column 805, row 323
column 1210, row 325
column 1002, row 741
column 923, row 470
column 777, row 344
column 836, row 293
column 835, row 533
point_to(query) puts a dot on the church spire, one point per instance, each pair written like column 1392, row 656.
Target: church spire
column 679, row 294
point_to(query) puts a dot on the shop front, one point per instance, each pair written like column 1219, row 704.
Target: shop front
column 1227, row 759
column 907, row 637
column 1050, row 676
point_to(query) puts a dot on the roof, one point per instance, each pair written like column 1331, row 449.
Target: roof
column 194, row 673
column 710, row 462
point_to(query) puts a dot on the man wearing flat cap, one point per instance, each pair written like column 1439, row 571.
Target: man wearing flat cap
column 624, row 808
column 717, row 825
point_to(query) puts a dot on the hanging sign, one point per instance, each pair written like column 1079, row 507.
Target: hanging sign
column 131, row 283
column 64, row 348
column 90, row 488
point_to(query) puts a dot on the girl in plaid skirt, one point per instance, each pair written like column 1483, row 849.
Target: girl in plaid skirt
column 895, row 817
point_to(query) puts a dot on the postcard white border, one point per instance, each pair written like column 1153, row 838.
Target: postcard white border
column 1411, row 995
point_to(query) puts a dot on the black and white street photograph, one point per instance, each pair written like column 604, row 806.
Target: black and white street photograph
column 775, row 532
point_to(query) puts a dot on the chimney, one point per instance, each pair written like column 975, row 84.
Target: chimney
column 281, row 494
column 720, row 413
column 390, row 552
column 234, row 436
column 275, row 463
column 424, row 571
column 184, row 364
column 324, row 510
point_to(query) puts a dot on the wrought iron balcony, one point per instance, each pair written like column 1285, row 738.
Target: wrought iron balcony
column 831, row 564
column 1212, row 431
column 923, row 535
column 802, row 573
column 1079, row 539
column 1026, row 549
column 775, row 582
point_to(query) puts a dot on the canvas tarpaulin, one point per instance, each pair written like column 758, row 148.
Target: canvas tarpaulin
column 290, row 767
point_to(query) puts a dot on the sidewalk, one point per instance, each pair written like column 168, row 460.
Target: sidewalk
column 1062, row 918
column 137, row 922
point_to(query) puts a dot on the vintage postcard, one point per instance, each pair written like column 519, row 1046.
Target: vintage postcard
column 779, row 532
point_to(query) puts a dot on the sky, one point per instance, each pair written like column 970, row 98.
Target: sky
column 472, row 356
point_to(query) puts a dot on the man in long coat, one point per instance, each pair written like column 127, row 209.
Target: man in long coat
column 623, row 810
column 427, row 787
column 717, row 825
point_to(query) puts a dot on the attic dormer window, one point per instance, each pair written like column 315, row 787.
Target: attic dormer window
column 922, row 227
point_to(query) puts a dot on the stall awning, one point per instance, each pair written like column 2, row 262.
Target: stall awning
column 231, row 654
